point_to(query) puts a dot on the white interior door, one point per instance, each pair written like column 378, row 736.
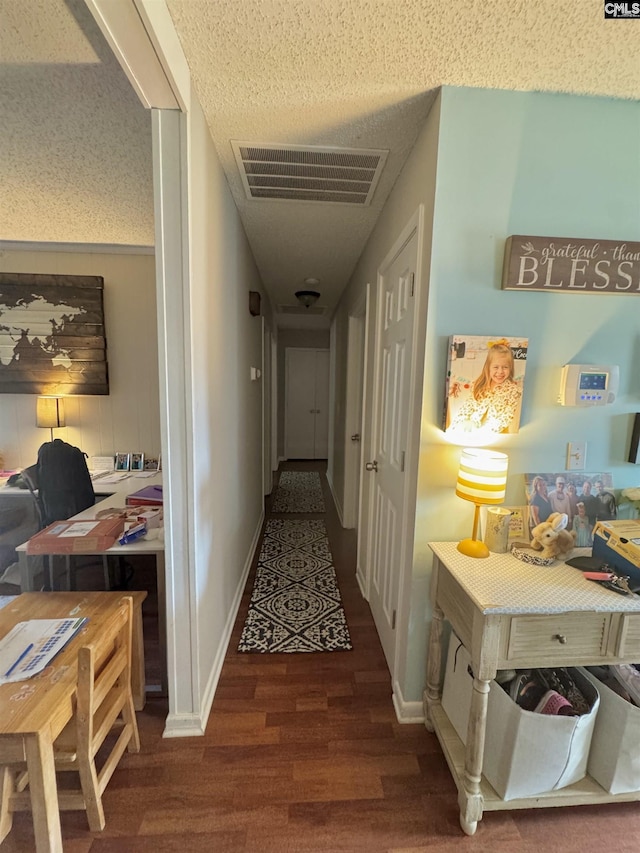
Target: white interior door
column 306, row 403
column 394, row 342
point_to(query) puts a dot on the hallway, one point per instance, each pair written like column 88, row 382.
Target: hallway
column 303, row 754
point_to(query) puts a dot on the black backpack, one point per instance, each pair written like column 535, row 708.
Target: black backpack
column 64, row 484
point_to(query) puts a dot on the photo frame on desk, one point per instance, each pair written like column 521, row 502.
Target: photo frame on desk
column 122, row 461
column 137, row 462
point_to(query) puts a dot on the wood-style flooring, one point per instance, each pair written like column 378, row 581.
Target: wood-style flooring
column 303, row 754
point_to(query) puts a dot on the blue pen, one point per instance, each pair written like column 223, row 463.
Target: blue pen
column 22, row 657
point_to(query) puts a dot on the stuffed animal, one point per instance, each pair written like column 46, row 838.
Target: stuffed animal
column 551, row 538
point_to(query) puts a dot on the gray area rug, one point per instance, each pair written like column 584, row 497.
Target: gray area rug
column 295, row 604
column 298, row 491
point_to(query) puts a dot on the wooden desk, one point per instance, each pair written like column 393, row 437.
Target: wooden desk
column 512, row 615
column 34, row 712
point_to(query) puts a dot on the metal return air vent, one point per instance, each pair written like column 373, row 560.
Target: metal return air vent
column 303, row 173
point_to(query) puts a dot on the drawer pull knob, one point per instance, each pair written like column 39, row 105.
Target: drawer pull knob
column 561, row 638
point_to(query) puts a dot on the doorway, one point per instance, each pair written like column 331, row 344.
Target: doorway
column 392, row 448
column 356, row 352
column 306, row 423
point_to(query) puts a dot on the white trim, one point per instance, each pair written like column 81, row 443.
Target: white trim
column 406, row 712
column 214, row 677
column 356, row 322
column 76, row 248
column 362, row 527
column 172, row 283
column 332, row 399
column 274, row 405
column 127, row 36
column 335, row 498
column 183, row 725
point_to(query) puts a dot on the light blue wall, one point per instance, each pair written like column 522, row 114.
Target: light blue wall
column 537, row 164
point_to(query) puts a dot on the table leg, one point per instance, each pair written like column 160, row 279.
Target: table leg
column 137, row 658
column 26, row 575
column 434, row 666
column 162, row 621
column 44, row 793
column 470, row 799
column 7, row 787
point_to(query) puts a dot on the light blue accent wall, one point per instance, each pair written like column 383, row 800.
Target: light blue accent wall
column 531, row 164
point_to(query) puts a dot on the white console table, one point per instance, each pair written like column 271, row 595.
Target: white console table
column 509, row 614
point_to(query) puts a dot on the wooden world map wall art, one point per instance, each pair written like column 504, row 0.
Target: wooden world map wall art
column 571, row 265
column 52, row 338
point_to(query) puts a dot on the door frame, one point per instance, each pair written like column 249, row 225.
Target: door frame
column 355, row 403
column 416, row 376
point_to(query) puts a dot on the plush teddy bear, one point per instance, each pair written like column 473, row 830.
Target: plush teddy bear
column 551, row 538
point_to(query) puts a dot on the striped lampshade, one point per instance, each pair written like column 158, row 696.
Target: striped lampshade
column 482, row 477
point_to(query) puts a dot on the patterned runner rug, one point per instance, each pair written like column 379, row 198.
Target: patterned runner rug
column 298, row 491
column 295, row 604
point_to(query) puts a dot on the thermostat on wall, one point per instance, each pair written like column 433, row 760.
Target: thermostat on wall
column 588, row 384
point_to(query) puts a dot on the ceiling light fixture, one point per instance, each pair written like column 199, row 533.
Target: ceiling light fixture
column 308, row 297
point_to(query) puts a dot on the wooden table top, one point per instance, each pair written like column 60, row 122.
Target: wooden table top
column 44, row 701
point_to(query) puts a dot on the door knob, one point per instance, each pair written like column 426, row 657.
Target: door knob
column 355, row 437
column 372, row 466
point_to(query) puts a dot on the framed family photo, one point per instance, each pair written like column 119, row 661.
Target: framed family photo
column 484, row 384
column 137, row 461
column 122, row 462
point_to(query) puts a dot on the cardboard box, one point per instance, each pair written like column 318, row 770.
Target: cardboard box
column 77, row 537
column 614, row 759
column 149, row 496
column 524, row 753
column 618, row 543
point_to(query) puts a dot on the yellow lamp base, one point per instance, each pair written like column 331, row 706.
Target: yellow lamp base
column 473, row 548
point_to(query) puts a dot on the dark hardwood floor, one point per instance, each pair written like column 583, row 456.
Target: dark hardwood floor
column 303, row 754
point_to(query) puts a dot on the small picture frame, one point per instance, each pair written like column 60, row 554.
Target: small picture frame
column 137, row 461
column 122, row 461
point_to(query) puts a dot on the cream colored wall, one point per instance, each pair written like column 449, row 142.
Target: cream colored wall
column 127, row 418
column 226, row 341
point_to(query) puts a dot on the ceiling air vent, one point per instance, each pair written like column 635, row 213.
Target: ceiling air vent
column 303, row 173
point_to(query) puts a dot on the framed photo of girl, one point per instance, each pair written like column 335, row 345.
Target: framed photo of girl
column 484, row 384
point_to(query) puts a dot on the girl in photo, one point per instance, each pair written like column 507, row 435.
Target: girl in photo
column 495, row 400
column 582, row 527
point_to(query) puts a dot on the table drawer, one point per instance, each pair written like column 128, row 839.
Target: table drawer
column 574, row 635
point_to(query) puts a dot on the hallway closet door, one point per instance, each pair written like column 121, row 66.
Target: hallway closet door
column 306, row 426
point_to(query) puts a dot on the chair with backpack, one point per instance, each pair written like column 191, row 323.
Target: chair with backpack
column 61, row 485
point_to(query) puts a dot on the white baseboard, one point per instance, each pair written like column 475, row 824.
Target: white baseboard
column 183, row 725
column 193, row 725
column 336, row 502
column 209, row 693
column 406, row 712
column 361, row 582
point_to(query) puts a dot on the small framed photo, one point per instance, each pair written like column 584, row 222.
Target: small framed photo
column 137, row 461
column 122, row 462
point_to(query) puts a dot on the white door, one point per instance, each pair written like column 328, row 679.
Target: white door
column 306, row 403
column 394, row 341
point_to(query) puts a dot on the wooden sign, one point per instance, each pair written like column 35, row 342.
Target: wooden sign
column 52, row 338
column 571, row 265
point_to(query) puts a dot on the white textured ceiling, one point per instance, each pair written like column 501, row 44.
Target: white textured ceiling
column 355, row 73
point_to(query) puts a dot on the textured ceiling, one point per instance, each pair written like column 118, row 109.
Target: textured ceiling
column 75, row 143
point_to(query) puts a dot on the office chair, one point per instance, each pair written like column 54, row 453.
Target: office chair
column 61, row 486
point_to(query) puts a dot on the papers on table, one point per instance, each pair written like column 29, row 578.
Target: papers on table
column 113, row 477
column 31, row 646
column 145, row 474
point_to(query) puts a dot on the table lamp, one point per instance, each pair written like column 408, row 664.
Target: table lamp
column 50, row 413
column 482, row 479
